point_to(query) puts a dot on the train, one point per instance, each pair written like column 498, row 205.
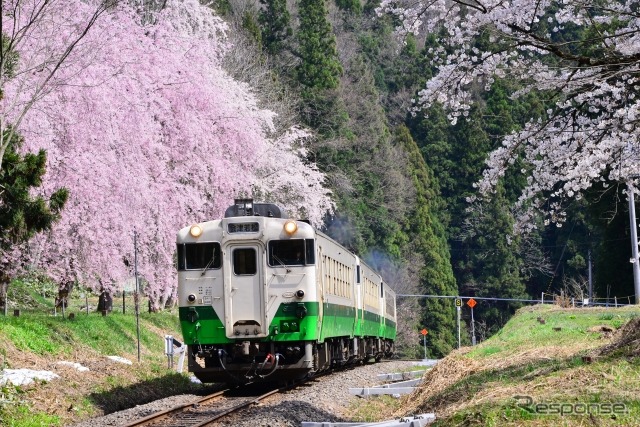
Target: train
column 263, row 296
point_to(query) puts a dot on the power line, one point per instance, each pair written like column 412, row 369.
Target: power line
column 465, row 297
column 535, row 301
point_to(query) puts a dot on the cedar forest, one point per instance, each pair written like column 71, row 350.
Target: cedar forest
column 480, row 148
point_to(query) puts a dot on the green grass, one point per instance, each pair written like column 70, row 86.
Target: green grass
column 547, row 413
column 36, row 331
column 115, row 334
column 525, row 332
column 531, row 358
column 22, row 417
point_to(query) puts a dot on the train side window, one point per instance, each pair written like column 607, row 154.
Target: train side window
column 244, row 262
column 311, row 251
column 197, row 256
column 181, row 260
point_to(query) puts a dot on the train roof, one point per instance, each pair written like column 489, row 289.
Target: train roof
column 246, row 207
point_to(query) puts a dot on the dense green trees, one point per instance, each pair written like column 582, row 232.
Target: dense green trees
column 429, row 245
column 403, row 197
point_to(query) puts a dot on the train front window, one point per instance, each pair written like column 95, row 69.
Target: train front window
column 198, row 256
column 291, row 252
column 244, row 262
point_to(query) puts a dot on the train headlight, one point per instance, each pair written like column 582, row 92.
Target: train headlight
column 290, row 227
column 191, row 298
column 195, row 230
column 299, row 293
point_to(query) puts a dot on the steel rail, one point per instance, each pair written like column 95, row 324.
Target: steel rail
column 239, row 407
column 162, row 415
column 175, row 410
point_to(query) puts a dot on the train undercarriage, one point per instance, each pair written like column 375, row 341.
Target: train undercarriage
column 247, row 361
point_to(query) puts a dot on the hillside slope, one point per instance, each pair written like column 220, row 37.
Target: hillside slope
column 548, row 366
column 39, row 341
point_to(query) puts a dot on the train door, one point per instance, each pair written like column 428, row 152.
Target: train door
column 244, row 292
column 359, row 300
column 322, row 292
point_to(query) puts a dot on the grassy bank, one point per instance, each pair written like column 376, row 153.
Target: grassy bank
column 38, row 340
column 548, row 366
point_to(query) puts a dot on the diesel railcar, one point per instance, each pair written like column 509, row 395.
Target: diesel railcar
column 261, row 295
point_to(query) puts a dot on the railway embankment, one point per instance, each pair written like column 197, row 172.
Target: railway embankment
column 548, row 366
column 81, row 365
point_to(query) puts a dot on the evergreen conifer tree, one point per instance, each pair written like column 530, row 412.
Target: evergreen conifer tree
column 320, row 67
column 274, row 20
column 22, row 214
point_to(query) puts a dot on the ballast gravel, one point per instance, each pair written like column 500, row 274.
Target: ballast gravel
column 325, row 398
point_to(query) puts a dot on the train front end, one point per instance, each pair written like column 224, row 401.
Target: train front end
column 247, row 295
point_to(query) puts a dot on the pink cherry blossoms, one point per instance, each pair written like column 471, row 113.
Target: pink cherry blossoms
column 591, row 134
column 148, row 132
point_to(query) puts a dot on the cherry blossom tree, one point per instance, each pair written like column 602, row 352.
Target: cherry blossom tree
column 585, row 56
column 35, row 26
column 149, row 133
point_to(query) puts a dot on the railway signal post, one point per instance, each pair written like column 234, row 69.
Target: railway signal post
column 472, row 303
column 424, row 333
column 458, row 307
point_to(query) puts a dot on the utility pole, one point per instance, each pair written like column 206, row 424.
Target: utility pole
column 137, row 296
column 458, row 316
column 473, row 329
column 634, row 240
column 590, row 277
column 458, row 308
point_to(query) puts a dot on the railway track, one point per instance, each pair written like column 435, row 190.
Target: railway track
column 209, row 409
column 212, row 408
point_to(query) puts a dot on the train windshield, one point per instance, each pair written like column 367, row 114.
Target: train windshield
column 291, row 252
column 198, row 256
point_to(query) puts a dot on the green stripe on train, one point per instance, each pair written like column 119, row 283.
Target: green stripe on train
column 295, row 321
column 370, row 325
column 337, row 321
column 202, row 325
